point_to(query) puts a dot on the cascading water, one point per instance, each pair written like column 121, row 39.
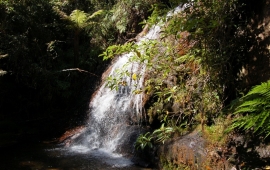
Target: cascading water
column 111, row 127
column 112, row 112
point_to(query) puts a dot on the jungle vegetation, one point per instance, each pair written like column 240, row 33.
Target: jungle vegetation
column 50, row 62
column 49, row 57
column 197, row 72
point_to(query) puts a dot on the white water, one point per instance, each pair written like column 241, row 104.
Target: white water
column 113, row 113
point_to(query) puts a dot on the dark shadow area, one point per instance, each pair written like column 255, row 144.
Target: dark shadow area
column 257, row 33
column 248, row 151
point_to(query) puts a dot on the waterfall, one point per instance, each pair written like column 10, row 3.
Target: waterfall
column 114, row 114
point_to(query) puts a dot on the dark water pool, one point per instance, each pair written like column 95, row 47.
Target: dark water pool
column 52, row 157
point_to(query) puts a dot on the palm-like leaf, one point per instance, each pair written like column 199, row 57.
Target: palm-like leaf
column 79, row 18
column 255, row 105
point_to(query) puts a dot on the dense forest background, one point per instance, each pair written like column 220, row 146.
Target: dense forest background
column 50, row 63
column 49, row 59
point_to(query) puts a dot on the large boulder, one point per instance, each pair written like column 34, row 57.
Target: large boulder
column 191, row 151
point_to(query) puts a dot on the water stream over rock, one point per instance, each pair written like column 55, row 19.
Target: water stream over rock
column 115, row 115
column 114, row 118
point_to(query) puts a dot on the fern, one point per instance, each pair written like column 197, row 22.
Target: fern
column 79, row 18
column 253, row 110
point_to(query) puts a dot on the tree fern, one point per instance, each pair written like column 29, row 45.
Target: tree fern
column 79, row 18
column 252, row 110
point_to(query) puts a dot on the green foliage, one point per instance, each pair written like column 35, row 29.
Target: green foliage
column 186, row 76
column 212, row 25
column 180, row 88
column 127, row 14
column 200, row 70
column 178, row 85
column 252, row 110
column 82, row 19
column 144, row 140
column 163, row 133
column 37, row 53
column 79, row 18
column 115, row 50
column 159, row 135
column 189, row 67
column 156, row 15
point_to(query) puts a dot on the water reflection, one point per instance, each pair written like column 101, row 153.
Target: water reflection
column 51, row 157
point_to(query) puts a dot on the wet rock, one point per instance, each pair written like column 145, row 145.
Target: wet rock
column 188, row 150
column 126, row 144
column 192, row 151
column 140, row 162
column 66, row 137
column 263, row 151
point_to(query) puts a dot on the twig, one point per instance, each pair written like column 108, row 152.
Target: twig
column 80, row 70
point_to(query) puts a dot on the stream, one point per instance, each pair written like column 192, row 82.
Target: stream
column 54, row 157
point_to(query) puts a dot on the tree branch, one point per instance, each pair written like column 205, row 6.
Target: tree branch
column 80, row 70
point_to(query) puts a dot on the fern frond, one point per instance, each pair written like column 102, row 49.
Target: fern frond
column 62, row 14
column 244, row 110
column 255, row 105
column 265, row 117
column 262, row 89
column 99, row 12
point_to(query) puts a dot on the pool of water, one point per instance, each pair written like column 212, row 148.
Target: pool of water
column 53, row 157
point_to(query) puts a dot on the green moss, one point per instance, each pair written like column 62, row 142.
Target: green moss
column 215, row 133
